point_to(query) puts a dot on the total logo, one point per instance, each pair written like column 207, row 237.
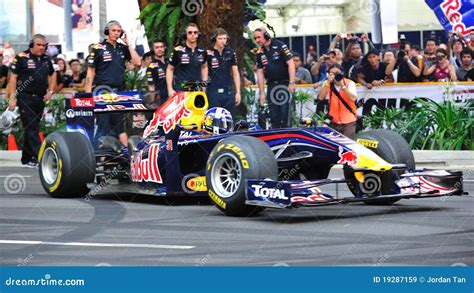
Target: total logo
column 81, row 113
column 269, row 192
column 82, row 102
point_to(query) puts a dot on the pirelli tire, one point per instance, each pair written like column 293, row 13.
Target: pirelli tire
column 66, row 164
column 233, row 161
column 391, row 147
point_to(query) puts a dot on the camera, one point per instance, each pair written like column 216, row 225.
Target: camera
column 338, row 77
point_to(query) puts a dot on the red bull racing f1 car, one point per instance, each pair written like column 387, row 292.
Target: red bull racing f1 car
column 187, row 149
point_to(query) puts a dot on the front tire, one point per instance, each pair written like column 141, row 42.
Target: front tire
column 66, row 164
column 233, row 161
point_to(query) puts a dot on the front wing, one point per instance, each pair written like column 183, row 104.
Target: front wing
column 310, row 193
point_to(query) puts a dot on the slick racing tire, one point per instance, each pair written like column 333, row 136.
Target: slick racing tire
column 233, row 161
column 391, row 147
column 66, row 164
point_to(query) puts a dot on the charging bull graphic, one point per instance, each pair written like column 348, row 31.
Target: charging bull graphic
column 349, row 157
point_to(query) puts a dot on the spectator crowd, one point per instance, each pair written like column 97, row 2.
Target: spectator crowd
column 405, row 62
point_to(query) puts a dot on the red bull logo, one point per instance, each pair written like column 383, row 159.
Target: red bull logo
column 146, row 170
column 349, row 157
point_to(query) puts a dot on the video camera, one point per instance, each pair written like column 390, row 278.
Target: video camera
column 9, row 118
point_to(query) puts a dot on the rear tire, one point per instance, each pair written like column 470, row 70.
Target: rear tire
column 392, row 148
column 66, row 164
column 232, row 161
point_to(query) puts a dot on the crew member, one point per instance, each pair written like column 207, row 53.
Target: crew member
column 222, row 64
column 187, row 62
column 156, row 72
column 342, row 95
column 275, row 64
column 31, row 84
column 106, row 71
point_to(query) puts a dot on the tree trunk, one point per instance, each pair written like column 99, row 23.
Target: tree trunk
column 227, row 14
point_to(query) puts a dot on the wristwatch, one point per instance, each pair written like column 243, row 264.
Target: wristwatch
column 293, row 82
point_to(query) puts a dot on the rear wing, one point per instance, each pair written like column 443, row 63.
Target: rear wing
column 82, row 108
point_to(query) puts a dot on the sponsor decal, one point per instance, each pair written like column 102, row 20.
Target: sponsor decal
column 236, row 150
column 112, row 98
column 70, row 113
column 169, row 145
column 368, row 143
column 215, row 198
column 146, row 170
column 82, row 102
column 170, row 116
column 197, row 183
column 349, row 157
column 269, row 192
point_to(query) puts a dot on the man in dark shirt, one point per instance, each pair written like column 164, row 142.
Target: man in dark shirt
column 470, row 75
column 275, row 64
column 31, row 84
column 223, row 71
column 106, row 70
column 3, row 73
column 156, row 72
column 373, row 71
column 410, row 66
column 187, row 62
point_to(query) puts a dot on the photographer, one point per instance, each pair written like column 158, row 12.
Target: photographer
column 342, row 95
column 442, row 70
column 408, row 62
column 319, row 69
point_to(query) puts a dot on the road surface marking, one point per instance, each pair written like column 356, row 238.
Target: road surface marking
column 93, row 244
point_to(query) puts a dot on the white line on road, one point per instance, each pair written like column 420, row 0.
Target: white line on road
column 92, row 244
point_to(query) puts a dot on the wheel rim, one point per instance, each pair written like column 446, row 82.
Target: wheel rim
column 49, row 166
column 226, row 175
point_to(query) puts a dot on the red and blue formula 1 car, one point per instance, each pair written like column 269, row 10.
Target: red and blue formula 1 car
column 242, row 171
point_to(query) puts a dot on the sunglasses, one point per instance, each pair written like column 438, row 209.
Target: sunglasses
column 193, row 32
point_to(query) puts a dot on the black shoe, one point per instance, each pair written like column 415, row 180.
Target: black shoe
column 31, row 165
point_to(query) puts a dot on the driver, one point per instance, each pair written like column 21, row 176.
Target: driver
column 217, row 121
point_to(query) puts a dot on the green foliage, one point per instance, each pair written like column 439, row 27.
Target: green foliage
column 164, row 21
column 298, row 99
column 429, row 125
column 134, row 81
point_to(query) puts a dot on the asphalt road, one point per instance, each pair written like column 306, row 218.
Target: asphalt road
column 144, row 230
